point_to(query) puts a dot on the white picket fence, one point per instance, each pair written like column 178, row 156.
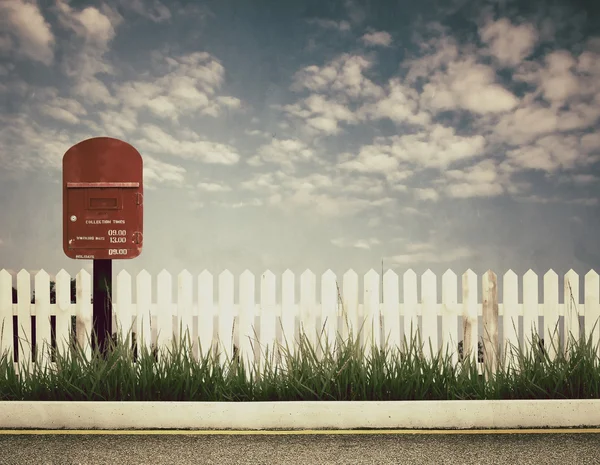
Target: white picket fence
column 209, row 320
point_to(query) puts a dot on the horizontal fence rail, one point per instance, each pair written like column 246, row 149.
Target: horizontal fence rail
column 62, row 311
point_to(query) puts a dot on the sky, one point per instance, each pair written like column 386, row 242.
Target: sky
column 312, row 134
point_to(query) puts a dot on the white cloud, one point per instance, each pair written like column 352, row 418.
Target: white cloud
column 426, row 193
column 189, row 86
column 284, row 152
column 213, row 187
column 551, row 153
column 154, row 9
column 341, row 26
column 427, row 257
column 469, row 86
column 484, row 179
column 380, row 38
column 343, row 76
column 437, row 147
column 26, row 22
column 85, row 58
column 365, row 244
column 510, row 44
column 320, row 114
column 400, row 104
column 157, row 141
column 159, row 172
column 63, row 109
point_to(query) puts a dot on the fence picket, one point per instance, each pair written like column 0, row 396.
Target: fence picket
column 63, row 311
column 450, row 316
column 571, row 300
column 551, row 329
column 592, row 309
column 490, row 322
column 510, row 319
column 429, row 314
column 225, row 317
column 391, row 311
column 268, row 315
column 42, row 319
column 246, row 335
column 83, row 320
column 410, row 307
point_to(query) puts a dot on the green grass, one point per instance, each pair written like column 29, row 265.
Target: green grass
column 344, row 372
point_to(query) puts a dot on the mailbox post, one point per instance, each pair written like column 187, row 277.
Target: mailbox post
column 102, row 216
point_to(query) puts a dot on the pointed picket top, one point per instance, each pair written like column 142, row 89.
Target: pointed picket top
column 184, row 274
column 308, row 282
column 268, row 275
column 84, row 287
column 489, row 281
column 328, row 275
column 390, row 274
column 591, row 275
column 410, row 274
column 550, row 274
column 124, row 286
column 428, row 286
column 572, row 278
column 510, row 274
column 371, row 273
column 410, row 287
column 82, row 274
column 184, row 287
column 307, row 273
column 268, row 288
column 391, row 293
column 41, row 286
column 144, row 275
column 245, row 274
column 350, row 274
column 490, row 273
column 225, row 275
column 63, row 289
column 123, row 274
column 428, row 273
column 288, row 288
column 4, row 275
column 449, row 272
column 22, row 275
column 164, row 283
column 449, row 288
column 163, row 276
column 288, row 274
column 469, row 273
column 124, row 277
column 205, row 293
column 205, row 275
column 329, row 296
column 163, row 273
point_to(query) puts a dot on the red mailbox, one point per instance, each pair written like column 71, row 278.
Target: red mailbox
column 102, row 200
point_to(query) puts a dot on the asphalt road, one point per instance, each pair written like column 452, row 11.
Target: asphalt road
column 310, row 449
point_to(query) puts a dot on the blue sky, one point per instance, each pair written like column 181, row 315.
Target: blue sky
column 311, row 134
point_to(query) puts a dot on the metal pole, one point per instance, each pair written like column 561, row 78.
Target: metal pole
column 102, row 308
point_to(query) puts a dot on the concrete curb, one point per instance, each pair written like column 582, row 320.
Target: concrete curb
column 455, row 414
